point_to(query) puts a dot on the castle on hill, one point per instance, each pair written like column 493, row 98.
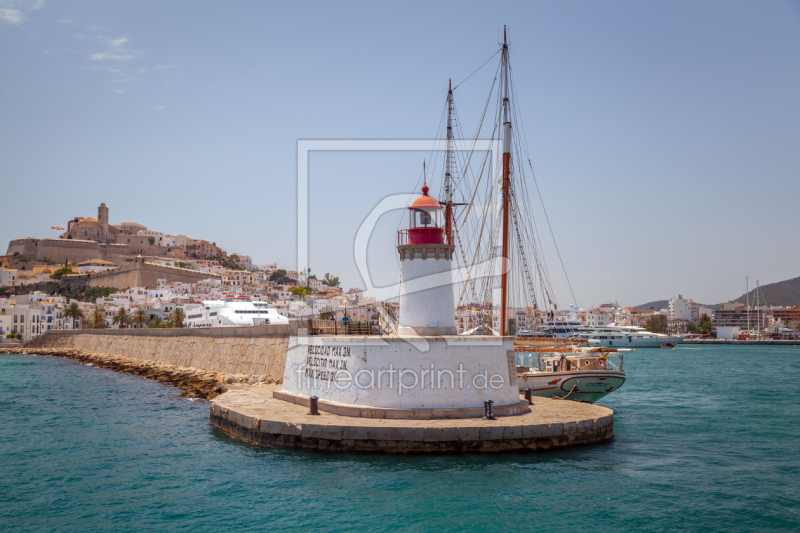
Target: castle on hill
column 95, row 238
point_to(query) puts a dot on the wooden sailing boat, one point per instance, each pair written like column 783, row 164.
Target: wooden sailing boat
column 522, row 283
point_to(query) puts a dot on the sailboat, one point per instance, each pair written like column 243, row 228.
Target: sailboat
column 495, row 224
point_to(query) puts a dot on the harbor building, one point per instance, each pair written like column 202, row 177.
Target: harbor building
column 681, row 308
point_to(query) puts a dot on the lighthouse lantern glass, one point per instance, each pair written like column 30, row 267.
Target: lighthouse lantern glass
column 424, row 218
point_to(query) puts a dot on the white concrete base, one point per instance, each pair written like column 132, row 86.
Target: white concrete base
column 403, row 372
column 427, row 331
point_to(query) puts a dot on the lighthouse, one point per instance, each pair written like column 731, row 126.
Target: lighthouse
column 426, row 305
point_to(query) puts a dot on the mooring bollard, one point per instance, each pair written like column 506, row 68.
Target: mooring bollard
column 314, row 406
column 528, row 396
column 487, row 410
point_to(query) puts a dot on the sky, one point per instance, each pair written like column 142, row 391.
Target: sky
column 665, row 136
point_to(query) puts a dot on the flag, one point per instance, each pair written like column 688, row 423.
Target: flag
column 56, row 227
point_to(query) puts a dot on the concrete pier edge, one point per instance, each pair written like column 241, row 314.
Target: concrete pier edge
column 252, row 415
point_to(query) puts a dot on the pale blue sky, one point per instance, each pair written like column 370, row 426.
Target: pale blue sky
column 665, row 135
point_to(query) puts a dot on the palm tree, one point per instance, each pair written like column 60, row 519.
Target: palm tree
column 155, row 323
column 177, row 317
column 121, row 318
column 73, row 311
column 98, row 320
column 140, row 317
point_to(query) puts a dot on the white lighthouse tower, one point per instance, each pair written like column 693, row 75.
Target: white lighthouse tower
column 426, row 305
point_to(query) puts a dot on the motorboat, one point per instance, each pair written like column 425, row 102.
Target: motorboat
column 572, row 372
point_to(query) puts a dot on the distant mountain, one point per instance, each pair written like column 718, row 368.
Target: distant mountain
column 658, row 304
column 783, row 293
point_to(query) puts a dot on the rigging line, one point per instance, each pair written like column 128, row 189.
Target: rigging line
column 475, row 255
column 480, row 127
column 536, row 182
column 480, row 67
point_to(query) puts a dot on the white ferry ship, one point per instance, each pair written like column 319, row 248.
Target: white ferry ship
column 232, row 311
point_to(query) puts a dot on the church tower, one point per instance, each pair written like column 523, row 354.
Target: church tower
column 102, row 218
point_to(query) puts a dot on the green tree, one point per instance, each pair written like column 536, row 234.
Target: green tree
column 181, row 264
column 98, row 320
column 176, row 318
column 139, row 317
column 60, row 273
column 278, row 276
column 151, row 240
column 122, row 318
column 73, row 311
column 155, row 323
column 658, row 324
column 330, row 281
column 298, row 291
column 11, row 335
column 705, row 324
column 326, row 313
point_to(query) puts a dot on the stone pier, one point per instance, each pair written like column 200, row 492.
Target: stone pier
column 253, row 415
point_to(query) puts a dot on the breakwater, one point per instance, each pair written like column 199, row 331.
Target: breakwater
column 256, row 353
column 194, row 382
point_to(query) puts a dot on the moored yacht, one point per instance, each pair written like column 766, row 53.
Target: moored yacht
column 232, row 311
column 627, row 337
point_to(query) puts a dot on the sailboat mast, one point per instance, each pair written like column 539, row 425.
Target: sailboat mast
column 448, row 176
column 505, row 188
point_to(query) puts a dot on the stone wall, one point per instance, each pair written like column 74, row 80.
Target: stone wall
column 25, row 247
column 258, row 351
column 146, row 275
column 77, row 251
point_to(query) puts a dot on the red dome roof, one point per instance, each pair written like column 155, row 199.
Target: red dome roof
column 425, row 201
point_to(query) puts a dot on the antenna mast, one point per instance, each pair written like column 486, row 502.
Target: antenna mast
column 505, row 188
column 448, row 173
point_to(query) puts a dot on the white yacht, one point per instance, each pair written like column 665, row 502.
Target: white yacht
column 627, row 337
column 232, row 311
column 558, row 326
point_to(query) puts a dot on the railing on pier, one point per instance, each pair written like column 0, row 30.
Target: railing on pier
column 331, row 327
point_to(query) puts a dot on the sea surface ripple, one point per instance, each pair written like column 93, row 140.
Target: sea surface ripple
column 706, row 440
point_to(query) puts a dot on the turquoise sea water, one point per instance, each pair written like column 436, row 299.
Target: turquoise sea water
column 706, row 440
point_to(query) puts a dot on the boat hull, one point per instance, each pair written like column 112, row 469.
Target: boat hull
column 581, row 386
column 626, row 342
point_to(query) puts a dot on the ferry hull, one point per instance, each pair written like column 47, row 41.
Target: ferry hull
column 581, row 386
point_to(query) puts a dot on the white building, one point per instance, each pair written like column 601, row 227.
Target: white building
column 8, row 277
column 597, row 317
column 95, row 265
column 245, row 261
column 157, row 235
column 683, row 309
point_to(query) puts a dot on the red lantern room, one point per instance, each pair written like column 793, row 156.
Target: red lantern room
column 424, row 222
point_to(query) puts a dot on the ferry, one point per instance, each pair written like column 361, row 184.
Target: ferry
column 232, row 311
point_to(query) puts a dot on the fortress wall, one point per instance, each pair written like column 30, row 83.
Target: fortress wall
column 61, row 250
column 146, row 275
column 26, row 247
column 257, row 350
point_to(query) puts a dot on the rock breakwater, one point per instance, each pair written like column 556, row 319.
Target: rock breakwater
column 194, row 382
